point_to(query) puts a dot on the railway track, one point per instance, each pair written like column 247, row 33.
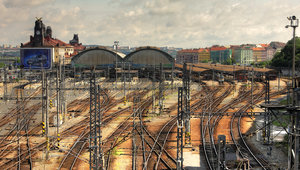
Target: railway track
column 207, row 128
column 146, row 138
column 147, row 141
column 159, row 145
column 14, row 137
column 153, row 147
column 69, row 161
column 242, row 145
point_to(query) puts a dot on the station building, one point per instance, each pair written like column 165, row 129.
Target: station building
column 143, row 62
column 43, row 50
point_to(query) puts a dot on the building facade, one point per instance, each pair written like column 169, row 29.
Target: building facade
column 203, row 55
column 187, row 56
column 220, row 54
column 192, row 55
column 259, row 54
column 42, row 39
column 243, row 56
column 270, row 52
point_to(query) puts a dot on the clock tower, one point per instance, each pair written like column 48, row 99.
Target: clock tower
column 39, row 32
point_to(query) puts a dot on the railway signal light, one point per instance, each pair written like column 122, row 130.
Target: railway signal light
column 50, row 104
column 43, row 128
column 58, row 140
column 187, row 138
column 125, row 101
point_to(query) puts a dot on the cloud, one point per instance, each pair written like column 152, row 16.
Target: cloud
column 24, row 3
column 178, row 23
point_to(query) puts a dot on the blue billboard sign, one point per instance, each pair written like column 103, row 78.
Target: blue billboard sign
column 36, row 58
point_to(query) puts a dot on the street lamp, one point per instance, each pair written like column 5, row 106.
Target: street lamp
column 116, row 48
column 294, row 23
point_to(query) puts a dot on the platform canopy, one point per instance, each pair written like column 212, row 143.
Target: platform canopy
column 97, row 57
column 149, row 56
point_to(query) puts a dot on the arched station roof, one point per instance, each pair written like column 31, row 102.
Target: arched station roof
column 149, row 56
column 97, row 57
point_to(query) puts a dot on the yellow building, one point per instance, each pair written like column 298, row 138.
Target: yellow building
column 203, row 55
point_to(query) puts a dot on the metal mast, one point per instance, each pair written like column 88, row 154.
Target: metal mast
column 5, row 84
column 58, row 102
column 186, row 95
column 161, row 90
column 293, row 151
column 180, row 113
column 96, row 161
column 267, row 116
column 221, row 152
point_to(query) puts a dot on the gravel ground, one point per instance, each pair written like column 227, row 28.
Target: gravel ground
column 277, row 157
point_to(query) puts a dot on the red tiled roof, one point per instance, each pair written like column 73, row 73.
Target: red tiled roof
column 49, row 42
column 54, row 42
column 264, row 45
column 193, row 50
column 258, row 49
column 235, row 46
column 79, row 47
column 217, row 48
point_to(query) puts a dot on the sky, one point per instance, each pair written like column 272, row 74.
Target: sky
column 173, row 23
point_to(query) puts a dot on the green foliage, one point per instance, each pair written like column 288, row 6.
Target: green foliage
column 205, row 61
column 18, row 60
column 284, row 120
column 284, row 144
column 283, row 102
column 2, row 65
column 261, row 64
column 285, row 57
column 229, row 61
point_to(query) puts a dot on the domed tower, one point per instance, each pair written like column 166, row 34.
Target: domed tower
column 75, row 40
column 49, row 32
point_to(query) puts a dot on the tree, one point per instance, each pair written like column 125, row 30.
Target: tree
column 205, row 61
column 229, row 61
column 285, row 57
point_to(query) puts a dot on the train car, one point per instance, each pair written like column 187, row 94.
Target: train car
column 242, row 77
column 220, row 78
column 77, row 75
column 272, row 76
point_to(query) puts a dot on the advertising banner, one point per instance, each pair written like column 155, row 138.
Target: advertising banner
column 36, row 58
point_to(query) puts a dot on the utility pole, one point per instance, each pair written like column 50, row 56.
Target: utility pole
column 5, row 84
column 252, row 75
column 267, row 115
column 18, row 130
column 153, row 91
column 180, row 119
column 172, row 76
column 161, row 89
column 58, row 101
column 124, row 79
column 62, row 95
column 96, row 156
column 293, row 150
column 135, row 101
column 44, row 101
column 221, row 152
column 116, row 58
column 187, row 116
column 47, row 118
